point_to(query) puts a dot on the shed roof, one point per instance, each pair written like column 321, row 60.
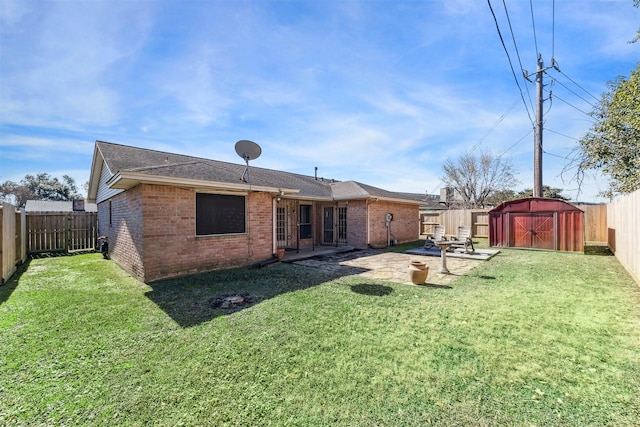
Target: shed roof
column 535, row 204
column 130, row 166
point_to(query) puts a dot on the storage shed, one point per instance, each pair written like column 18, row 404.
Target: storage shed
column 537, row 223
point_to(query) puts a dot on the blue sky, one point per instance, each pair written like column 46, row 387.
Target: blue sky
column 376, row 91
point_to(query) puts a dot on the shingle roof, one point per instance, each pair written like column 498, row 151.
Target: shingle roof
column 122, row 159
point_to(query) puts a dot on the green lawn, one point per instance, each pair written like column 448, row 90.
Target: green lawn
column 528, row 338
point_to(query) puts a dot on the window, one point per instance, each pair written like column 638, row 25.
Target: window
column 305, row 221
column 219, row 214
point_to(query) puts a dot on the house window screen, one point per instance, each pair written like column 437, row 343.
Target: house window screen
column 305, row 221
column 219, row 214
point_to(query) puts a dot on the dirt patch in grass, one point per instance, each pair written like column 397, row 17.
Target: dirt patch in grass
column 232, row 301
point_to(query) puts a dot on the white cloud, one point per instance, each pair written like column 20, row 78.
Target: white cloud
column 63, row 76
column 379, row 92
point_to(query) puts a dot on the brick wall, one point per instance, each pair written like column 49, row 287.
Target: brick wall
column 405, row 226
column 152, row 233
column 120, row 219
column 171, row 245
column 357, row 224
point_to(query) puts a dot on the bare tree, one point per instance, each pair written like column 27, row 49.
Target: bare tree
column 475, row 179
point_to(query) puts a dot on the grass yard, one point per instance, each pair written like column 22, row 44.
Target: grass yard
column 528, row 338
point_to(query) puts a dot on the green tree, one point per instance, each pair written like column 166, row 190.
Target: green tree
column 475, row 178
column 613, row 143
column 552, row 193
column 498, row 197
column 39, row 187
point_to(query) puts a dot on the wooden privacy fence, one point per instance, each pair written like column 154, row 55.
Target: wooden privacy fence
column 595, row 221
column 62, row 231
column 477, row 219
column 623, row 232
column 13, row 250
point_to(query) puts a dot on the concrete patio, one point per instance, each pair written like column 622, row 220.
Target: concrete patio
column 376, row 264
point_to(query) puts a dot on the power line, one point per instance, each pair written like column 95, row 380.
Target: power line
column 553, row 30
column 566, row 87
column 556, row 155
column 533, row 23
column 509, row 59
column 550, row 103
column 573, row 106
column 515, row 45
column 495, row 125
column 562, row 134
column 516, row 143
column 572, row 81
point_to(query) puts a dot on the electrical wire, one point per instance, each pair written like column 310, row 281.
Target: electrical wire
column 510, row 63
column 515, row 45
column 516, row 143
column 562, row 134
column 566, row 87
column 573, row 106
column 533, row 23
column 556, row 155
column 572, row 81
column 495, row 125
column 550, row 104
column 553, row 30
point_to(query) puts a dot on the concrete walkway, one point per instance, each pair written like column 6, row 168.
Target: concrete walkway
column 391, row 266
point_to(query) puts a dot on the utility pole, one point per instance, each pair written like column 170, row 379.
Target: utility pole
column 537, row 139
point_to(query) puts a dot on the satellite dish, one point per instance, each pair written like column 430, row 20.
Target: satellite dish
column 248, row 150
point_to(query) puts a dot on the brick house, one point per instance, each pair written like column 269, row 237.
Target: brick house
column 168, row 214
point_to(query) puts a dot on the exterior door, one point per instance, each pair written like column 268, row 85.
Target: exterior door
column 327, row 225
column 285, row 224
column 531, row 230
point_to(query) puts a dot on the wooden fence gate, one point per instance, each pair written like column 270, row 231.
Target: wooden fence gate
column 62, row 232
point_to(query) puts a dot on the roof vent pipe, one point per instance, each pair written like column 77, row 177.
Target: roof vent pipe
column 316, row 173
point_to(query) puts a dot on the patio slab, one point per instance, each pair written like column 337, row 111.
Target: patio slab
column 389, row 266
